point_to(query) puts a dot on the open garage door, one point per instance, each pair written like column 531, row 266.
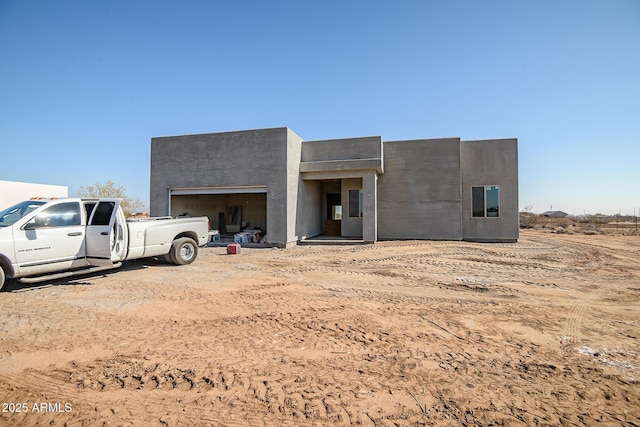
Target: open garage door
column 230, row 209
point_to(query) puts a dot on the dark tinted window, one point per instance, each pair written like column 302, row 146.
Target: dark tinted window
column 477, row 194
column 88, row 208
column 102, row 213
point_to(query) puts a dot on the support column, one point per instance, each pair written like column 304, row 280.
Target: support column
column 370, row 208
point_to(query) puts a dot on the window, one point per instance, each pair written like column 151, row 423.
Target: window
column 485, row 201
column 477, row 195
column 492, row 201
column 10, row 215
column 102, row 213
column 355, row 203
column 88, row 208
column 336, row 212
column 61, row 215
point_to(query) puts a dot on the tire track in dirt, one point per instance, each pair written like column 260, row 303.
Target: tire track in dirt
column 44, row 383
column 571, row 332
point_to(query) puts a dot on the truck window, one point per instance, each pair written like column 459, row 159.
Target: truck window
column 10, row 215
column 102, row 213
column 61, row 215
column 88, row 208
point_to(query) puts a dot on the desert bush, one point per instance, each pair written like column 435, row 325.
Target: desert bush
column 528, row 219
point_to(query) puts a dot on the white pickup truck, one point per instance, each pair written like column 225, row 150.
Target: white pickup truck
column 50, row 239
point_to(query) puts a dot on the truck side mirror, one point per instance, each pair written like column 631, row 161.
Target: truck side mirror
column 31, row 225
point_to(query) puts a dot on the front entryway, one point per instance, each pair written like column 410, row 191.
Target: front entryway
column 333, row 217
column 341, row 207
column 339, row 201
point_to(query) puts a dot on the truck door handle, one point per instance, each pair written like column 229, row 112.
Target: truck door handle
column 77, row 233
column 104, row 233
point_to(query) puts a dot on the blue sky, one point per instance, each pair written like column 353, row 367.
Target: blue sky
column 85, row 85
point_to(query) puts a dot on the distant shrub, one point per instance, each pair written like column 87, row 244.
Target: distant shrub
column 528, row 220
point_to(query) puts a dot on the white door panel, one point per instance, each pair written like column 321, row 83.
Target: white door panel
column 51, row 241
column 106, row 240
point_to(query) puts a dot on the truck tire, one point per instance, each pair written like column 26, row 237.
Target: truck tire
column 183, row 251
column 2, row 278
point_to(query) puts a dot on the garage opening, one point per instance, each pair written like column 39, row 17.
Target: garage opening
column 237, row 214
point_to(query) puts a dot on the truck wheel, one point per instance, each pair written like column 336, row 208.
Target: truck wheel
column 2, row 277
column 183, row 251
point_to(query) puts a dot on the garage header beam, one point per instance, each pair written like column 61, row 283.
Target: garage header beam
column 217, row 190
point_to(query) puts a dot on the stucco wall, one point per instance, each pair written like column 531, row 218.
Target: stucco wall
column 310, row 209
column 12, row 192
column 491, row 162
column 243, row 158
column 300, row 197
column 342, row 149
column 419, row 192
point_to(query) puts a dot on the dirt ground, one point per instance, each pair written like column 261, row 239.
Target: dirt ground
column 544, row 332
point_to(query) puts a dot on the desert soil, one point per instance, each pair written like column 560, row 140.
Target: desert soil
column 545, row 331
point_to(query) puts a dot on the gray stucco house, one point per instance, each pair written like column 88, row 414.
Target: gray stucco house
column 365, row 188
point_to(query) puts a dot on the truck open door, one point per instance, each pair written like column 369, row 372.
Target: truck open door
column 107, row 238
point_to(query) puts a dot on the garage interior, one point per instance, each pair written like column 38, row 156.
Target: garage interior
column 229, row 214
